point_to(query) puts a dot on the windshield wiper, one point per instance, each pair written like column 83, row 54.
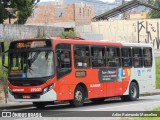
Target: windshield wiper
column 34, row 57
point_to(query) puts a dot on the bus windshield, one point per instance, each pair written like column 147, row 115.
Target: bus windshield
column 31, row 64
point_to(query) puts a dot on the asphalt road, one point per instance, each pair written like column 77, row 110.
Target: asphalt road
column 145, row 103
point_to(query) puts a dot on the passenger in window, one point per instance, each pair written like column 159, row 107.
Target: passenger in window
column 147, row 53
column 147, row 56
column 81, row 58
column 136, row 61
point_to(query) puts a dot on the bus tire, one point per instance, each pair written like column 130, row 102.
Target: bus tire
column 133, row 92
column 39, row 105
column 98, row 100
column 79, row 96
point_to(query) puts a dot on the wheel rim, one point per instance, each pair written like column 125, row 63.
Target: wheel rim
column 133, row 91
column 79, row 96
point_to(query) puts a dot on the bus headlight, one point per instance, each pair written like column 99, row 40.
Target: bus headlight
column 48, row 88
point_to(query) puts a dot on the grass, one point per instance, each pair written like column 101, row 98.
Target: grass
column 158, row 73
column 6, row 44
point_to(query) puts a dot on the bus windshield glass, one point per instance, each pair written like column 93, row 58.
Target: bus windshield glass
column 35, row 64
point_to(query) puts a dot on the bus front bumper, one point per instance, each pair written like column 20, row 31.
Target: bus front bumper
column 49, row 96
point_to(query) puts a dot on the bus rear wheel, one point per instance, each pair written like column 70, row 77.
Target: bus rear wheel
column 79, row 96
column 39, row 105
column 133, row 93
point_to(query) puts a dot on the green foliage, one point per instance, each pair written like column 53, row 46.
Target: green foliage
column 23, row 9
column 154, row 13
column 69, row 34
column 3, row 84
column 156, row 109
column 158, row 73
column 3, row 13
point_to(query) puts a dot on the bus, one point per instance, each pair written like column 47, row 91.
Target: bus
column 42, row 71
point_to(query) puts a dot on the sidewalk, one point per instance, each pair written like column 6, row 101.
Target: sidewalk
column 14, row 105
column 157, row 53
column 154, row 92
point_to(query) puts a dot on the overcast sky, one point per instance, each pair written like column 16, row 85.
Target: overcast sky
column 100, row 0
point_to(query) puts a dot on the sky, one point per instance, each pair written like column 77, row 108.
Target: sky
column 100, row 0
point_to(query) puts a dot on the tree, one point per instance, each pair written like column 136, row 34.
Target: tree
column 22, row 8
column 3, row 11
column 155, row 13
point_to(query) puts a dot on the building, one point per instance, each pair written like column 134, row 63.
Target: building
column 137, row 15
column 62, row 15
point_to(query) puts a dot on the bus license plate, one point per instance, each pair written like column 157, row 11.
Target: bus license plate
column 26, row 96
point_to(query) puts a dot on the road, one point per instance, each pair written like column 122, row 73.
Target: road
column 145, row 103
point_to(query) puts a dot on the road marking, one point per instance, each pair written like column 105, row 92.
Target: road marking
column 119, row 106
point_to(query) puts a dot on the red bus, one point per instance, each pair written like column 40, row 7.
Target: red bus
column 46, row 70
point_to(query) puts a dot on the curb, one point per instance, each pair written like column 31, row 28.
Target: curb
column 31, row 105
column 150, row 94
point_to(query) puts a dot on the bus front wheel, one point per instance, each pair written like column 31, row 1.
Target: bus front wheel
column 79, row 96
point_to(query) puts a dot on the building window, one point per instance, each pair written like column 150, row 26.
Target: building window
column 126, row 57
column 137, row 57
column 81, row 56
column 80, row 12
column 88, row 13
column 59, row 12
column 113, row 57
column 147, row 54
column 68, row 29
column 83, row 12
column 98, row 56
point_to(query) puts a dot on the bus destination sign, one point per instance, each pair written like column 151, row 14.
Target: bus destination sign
column 31, row 44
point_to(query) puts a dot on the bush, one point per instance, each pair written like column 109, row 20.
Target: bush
column 69, row 34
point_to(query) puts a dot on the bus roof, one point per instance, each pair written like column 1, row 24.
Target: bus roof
column 92, row 42
column 138, row 44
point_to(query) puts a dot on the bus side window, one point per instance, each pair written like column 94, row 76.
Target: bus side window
column 137, row 57
column 63, row 63
column 64, row 59
column 113, row 57
column 81, row 56
column 98, row 56
column 147, row 54
column 126, row 57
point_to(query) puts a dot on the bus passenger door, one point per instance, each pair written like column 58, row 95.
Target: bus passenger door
column 64, row 68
